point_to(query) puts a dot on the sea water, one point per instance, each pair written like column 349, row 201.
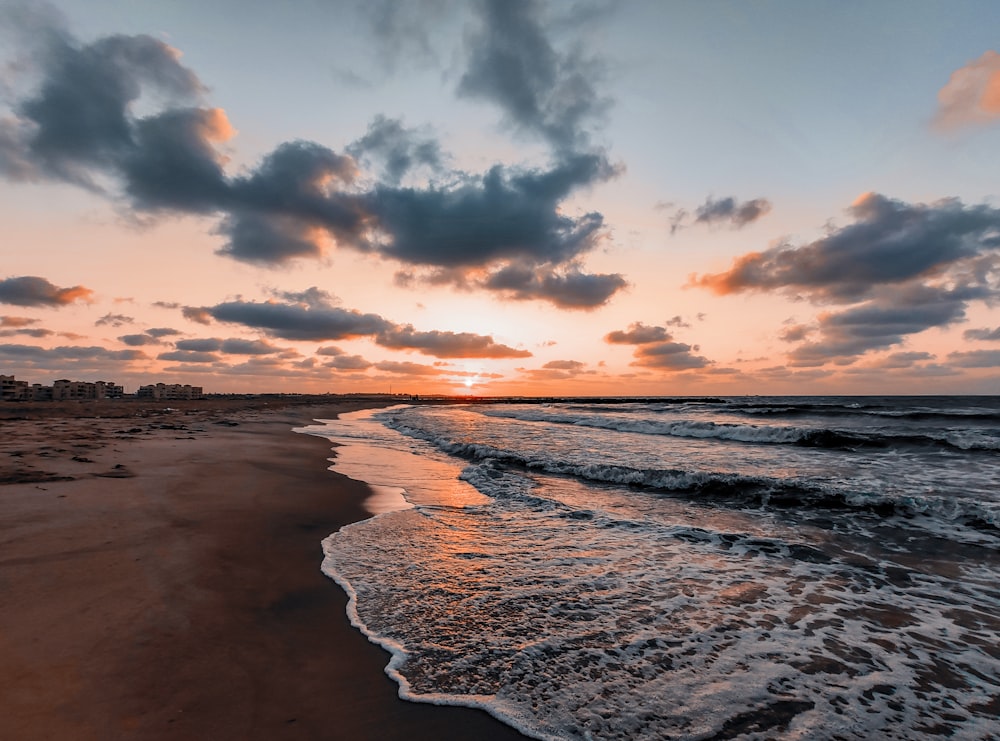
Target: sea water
column 815, row 568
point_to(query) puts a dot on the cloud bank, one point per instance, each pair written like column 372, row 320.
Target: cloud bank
column 504, row 230
column 902, row 267
column 30, row 290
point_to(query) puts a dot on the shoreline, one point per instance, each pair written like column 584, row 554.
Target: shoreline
column 161, row 575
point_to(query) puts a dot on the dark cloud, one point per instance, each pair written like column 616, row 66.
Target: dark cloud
column 139, row 340
column 80, row 126
column 172, row 163
column 348, row 362
column 903, row 360
column 398, row 149
column 162, row 331
column 889, row 242
column 570, row 290
column 795, row 332
column 114, row 320
column 197, row 314
column 990, row 335
column 232, row 346
column 166, row 304
column 637, row 334
column 656, row 348
column 189, row 356
column 565, row 365
column 884, row 321
column 17, row 321
column 35, row 332
column 557, row 370
column 904, row 267
column 291, row 204
column 68, row 353
column 513, row 63
column 298, row 322
column 30, row 290
column 975, row 359
column 79, row 118
column 502, row 215
column 446, row 344
column 330, row 350
column 730, row 212
column 678, row 321
column 672, row 356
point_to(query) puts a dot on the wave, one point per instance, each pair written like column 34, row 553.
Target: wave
column 829, row 438
column 965, row 414
column 717, row 486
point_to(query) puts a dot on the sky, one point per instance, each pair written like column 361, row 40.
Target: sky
column 502, row 197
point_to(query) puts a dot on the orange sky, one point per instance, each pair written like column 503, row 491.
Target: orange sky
column 501, row 198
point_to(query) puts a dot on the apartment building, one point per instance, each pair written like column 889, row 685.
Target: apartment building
column 170, row 392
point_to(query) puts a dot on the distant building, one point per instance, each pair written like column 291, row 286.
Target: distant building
column 65, row 390
column 38, row 392
column 13, row 390
column 169, row 392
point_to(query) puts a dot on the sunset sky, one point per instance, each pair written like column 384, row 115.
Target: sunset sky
column 502, row 197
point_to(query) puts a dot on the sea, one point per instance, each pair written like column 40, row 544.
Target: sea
column 711, row 568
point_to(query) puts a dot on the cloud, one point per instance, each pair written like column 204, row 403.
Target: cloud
column 557, row 370
column 300, row 322
column 348, row 362
column 656, row 348
column 672, row 356
column 17, row 321
column 573, row 289
column 81, row 126
column 189, row 356
column 975, row 359
column 139, row 340
column 730, row 212
column 409, row 369
column 398, row 149
column 446, row 344
column 987, row 334
column 114, row 320
column 566, row 365
column 172, row 163
column 889, row 242
column 971, row 95
column 78, row 119
column 795, row 332
column 512, row 62
column 403, row 30
column 81, row 355
column 162, row 331
column 312, row 315
column 903, row 268
column 882, row 322
column 637, row 334
column 35, row 332
column 197, row 314
column 232, row 346
column 30, row 290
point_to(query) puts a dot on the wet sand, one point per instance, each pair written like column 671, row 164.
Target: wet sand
column 160, row 578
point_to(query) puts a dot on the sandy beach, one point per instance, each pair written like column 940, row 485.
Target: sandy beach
column 160, row 578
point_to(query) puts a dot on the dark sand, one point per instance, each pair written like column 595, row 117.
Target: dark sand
column 160, row 578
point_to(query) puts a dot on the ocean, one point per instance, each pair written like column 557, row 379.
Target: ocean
column 740, row 567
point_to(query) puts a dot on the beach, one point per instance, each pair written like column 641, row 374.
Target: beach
column 160, row 573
